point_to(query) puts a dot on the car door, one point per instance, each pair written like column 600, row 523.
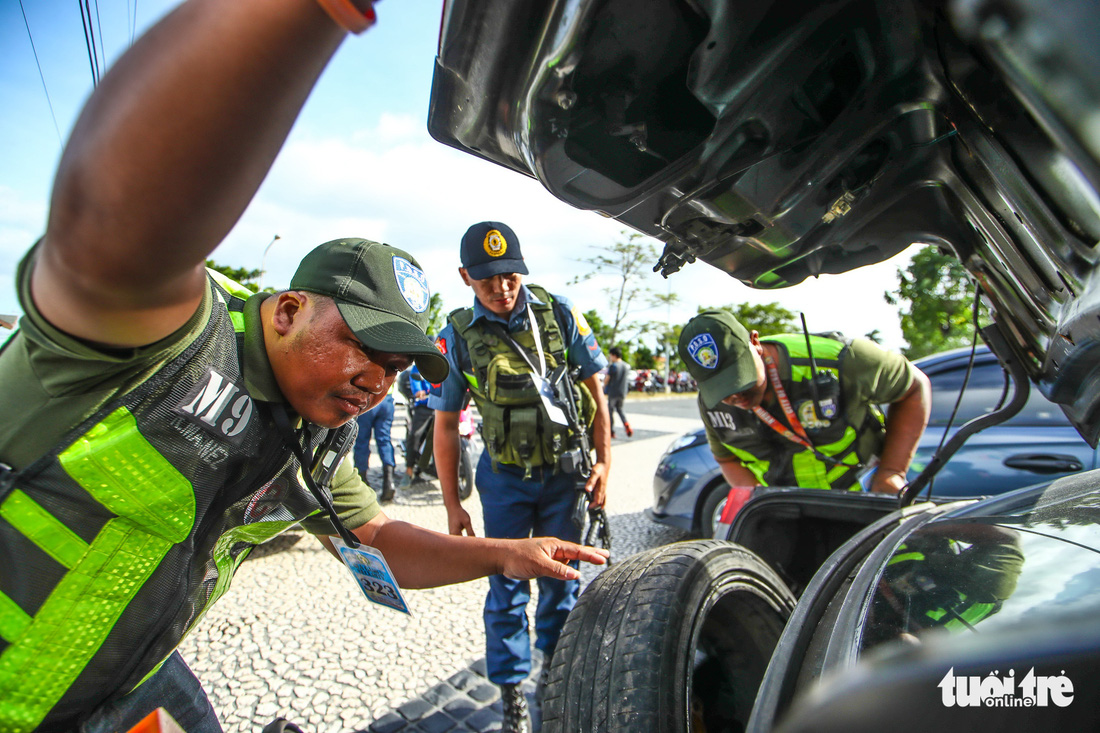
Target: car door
column 1038, row 444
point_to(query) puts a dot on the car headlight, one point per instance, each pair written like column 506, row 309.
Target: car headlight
column 684, row 441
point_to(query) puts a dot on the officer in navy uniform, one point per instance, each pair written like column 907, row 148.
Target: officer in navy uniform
column 499, row 350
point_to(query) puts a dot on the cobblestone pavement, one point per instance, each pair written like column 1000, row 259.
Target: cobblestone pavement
column 294, row 637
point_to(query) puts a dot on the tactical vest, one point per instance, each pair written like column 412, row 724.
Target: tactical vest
column 130, row 528
column 787, row 463
column 514, row 424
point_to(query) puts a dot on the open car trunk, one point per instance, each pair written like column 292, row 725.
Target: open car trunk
column 779, row 140
column 796, row 530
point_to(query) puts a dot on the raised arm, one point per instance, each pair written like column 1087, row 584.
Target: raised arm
column 165, row 157
column 906, row 419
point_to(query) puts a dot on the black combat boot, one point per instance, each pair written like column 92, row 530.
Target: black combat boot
column 387, row 483
column 514, row 710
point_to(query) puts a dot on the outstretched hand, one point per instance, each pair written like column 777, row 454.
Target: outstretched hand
column 547, row 557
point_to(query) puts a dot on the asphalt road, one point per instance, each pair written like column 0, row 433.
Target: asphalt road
column 294, row 637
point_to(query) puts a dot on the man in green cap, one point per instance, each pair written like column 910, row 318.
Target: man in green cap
column 161, row 421
column 774, row 419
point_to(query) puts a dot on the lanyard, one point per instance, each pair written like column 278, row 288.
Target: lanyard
column 304, row 452
column 549, row 400
column 788, row 411
column 538, row 342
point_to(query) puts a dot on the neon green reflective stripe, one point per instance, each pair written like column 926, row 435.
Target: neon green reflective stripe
column 37, row 525
column 814, row 470
column 936, row 613
column 809, row 473
column 125, row 473
column 471, row 379
column 234, row 287
column 905, row 556
column 12, row 619
column 847, row 463
column 826, row 354
column 155, row 505
column 237, row 318
column 758, row 467
column 971, row 616
column 227, row 565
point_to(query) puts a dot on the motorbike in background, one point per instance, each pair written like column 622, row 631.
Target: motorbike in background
column 467, row 450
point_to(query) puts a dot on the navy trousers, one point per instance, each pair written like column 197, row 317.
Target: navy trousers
column 380, row 422
column 515, row 508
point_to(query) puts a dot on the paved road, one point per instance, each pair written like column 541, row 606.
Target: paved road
column 294, row 637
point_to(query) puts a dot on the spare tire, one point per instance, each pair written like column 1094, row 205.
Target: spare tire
column 669, row 640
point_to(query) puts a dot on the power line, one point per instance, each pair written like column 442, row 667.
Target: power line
column 102, row 39
column 89, row 39
column 40, row 75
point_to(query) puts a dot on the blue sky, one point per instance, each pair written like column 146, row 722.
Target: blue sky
column 359, row 162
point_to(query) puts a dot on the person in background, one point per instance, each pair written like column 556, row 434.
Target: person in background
column 415, row 389
column 616, row 388
column 377, row 422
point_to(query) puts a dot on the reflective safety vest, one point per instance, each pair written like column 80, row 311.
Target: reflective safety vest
column 129, row 529
column 514, row 424
column 776, row 461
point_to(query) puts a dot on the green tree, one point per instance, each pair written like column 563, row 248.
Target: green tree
column 604, row 337
column 437, row 319
column 630, row 263
column 768, row 319
column 247, row 278
column 935, row 303
column 644, row 358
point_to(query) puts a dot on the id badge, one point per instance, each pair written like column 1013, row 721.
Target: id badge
column 549, row 402
column 373, row 575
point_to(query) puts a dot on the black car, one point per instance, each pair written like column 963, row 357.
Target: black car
column 780, row 140
column 1036, row 444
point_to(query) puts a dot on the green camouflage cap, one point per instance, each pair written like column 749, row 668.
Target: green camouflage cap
column 382, row 294
column 716, row 349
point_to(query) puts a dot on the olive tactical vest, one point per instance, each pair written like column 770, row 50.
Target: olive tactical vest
column 514, row 424
column 776, row 461
column 129, row 529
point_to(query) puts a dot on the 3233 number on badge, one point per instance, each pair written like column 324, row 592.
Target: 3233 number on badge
column 373, row 575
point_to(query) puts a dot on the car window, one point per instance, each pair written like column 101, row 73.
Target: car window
column 983, row 393
column 973, row 575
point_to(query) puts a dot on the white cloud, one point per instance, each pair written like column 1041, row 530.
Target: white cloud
column 417, row 194
column 395, row 184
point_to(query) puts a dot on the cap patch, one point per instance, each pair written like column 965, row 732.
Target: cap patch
column 412, row 283
column 704, row 351
column 495, row 243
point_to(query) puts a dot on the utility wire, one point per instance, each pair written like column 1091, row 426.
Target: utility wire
column 102, row 39
column 40, row 75
column 89, row 40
